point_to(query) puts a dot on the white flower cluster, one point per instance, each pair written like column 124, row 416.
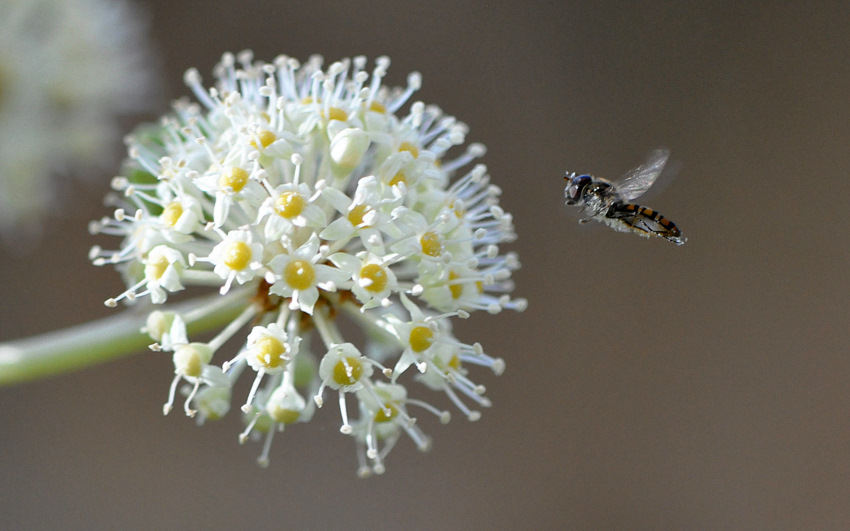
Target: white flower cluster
column 304, row 198
column 68, row 68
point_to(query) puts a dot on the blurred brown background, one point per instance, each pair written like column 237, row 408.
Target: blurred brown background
column 648, row 386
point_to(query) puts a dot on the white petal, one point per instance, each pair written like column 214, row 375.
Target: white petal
column 335, row 127
column 157, row 295
column 275, row 227
column 325, row 273
column 345, row 261
column 338, row 229
column 315, row 216
column 308, row 249
column 337, row 199
column 280, row 149
column 307, row 299
column 221, row 209
column 171, row 279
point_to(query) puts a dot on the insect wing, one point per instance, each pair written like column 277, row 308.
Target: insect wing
column 637, row 181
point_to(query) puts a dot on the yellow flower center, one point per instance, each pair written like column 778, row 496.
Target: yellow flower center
column 237, row 256
column 299, row 274
column 398, row 178
column 348, row 371
column 270, row 352
column 410, row 148
column 188, row 362
column 454, row 363
column 289, row 204
column 335, row 113
column 156, row 269
column 266, row 138
column 377, row 107
column 421, row 337
column 171, row 213
column 431, row 245
column 234, row 178
column 283, row 415
column 378, row 276
column 456, row 289
column 386, row 413
column 355, row 216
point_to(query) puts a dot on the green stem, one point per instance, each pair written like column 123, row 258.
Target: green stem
column 105, row 339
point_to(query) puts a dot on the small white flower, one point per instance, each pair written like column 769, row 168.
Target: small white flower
column 445, row 372
column 428, row 239
column 366, row 215
column 237, row 257
column 343, row 368
column 373, row 279
column 162, row 272
column 181, row 213
column 167, row 329
column 416, row 337
column 229, row 184
column 287, row 406
column 283, row 407
column 162, row 268
column 290, row 206
column 212, row 402
column 299, row 275
column 191, row 363
column 269, row 350
column 382, row 418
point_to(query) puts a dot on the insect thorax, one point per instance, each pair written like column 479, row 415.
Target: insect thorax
column 598, row 197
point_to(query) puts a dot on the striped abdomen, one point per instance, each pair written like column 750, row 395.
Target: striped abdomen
column 645, row 220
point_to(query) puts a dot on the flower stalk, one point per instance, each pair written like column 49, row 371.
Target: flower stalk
column 99, row 341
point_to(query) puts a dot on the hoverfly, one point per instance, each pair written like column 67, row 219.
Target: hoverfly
column 609, row 202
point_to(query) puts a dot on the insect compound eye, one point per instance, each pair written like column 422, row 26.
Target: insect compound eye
column 576, row 187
